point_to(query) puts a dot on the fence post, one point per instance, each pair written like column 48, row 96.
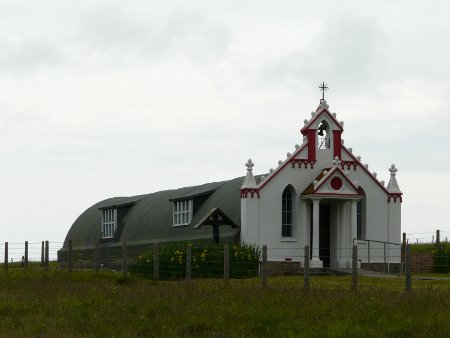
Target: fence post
column 42, row 253
column 226, row 264
column 124, row 258
column 264, row 266
column 156, row 262
column 355, row 268
column 438, row 237
column 368, row 255
column 46, row 254
column 96, row 258
column 6, row 256
column 26, row 254
column 403, row 252
column 306, row 269
column 188, row 262
column 69, row 258
column 408, row 268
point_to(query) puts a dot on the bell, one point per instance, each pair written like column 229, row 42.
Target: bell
column 320, row 133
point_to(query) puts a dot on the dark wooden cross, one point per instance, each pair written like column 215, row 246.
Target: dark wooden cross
column 323, row 87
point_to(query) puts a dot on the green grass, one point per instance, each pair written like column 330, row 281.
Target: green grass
column 56, row 303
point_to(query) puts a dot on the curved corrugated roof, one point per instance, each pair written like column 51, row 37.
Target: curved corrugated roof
column 149, row 216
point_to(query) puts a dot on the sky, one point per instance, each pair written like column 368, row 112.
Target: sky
column 118, row 98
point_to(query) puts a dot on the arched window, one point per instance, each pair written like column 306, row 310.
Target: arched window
column 286, row 213
column 323, row 136
column 361, row 215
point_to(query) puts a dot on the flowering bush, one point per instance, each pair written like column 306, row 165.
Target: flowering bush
column 206, row 261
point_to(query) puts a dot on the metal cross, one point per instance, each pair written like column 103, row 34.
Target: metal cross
column 323, row 87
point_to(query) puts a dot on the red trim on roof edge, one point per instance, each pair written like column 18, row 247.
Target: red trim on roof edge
column 280, row 168
column 364, row 168
column 306, row 127
column 343, row 175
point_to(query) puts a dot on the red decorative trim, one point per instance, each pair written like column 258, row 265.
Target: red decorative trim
column 252, row 191
column 364, row 168
column 280, row 168
column 325, row 111
column 394, row 197
column 332, row 172
column 301, row 162
column 312, row 145
column 337, row 143
column 349, row 164
column 336, row 183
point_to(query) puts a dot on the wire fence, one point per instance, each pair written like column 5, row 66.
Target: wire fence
column 429, row 237
column 359, row 267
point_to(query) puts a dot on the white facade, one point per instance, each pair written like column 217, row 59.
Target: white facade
column 325, row 197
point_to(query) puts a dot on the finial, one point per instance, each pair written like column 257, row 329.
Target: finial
column 250, row 164
column 323, row 87
column 336, row 162
column 249, row 181
column 393, row 170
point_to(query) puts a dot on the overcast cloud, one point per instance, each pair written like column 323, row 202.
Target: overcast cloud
column 107, row 98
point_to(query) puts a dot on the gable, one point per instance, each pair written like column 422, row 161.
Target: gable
column 318, row 117
column 332, row 182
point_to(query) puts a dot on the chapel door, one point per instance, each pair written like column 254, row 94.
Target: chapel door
column 324, row 234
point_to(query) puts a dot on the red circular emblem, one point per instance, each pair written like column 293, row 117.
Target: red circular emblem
column 336, row 183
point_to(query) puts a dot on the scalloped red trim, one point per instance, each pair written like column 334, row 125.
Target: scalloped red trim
column 301, row 162
column 348, row 164
column 394, row 197
column 252, row 191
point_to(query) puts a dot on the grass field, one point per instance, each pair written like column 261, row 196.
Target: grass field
column 55, row 303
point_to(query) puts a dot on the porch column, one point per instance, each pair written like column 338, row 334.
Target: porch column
column 315, row 260
column 353, row 221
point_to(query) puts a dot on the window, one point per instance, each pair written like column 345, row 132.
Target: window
column 182, row 212
column 286, row 213
column 323, row 136
column 109, row 223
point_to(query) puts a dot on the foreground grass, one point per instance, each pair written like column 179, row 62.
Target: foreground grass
column 35, row 303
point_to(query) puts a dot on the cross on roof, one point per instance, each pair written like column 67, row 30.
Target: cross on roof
column 323, row 87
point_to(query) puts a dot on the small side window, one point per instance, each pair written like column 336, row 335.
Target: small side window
column 109, row 223
column 182, row 212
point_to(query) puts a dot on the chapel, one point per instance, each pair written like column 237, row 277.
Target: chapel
column 321, row 195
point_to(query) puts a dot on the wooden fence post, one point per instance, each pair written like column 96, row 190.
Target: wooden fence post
column 408, row 268
column 26, row 254
column 6, row 256
column 124, row 258
column 355, row 268
column 438, row 237
column 42, row 253
column 264, row 266
column 96, row 258
column 69, row 258
column 226, row 264
column 306, row 269
column 156, row 262
column 46, row 255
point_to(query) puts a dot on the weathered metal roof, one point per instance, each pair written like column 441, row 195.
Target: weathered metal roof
column 149, row 217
